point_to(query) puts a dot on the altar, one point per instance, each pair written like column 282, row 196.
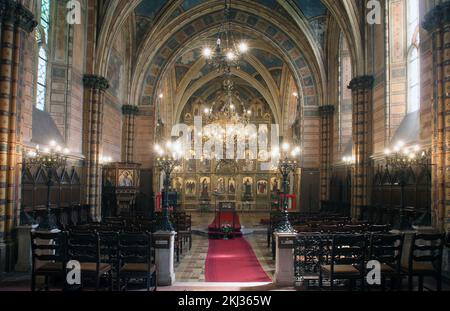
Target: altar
column 226, row 222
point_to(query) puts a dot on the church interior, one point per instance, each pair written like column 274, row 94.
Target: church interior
column 201, row 145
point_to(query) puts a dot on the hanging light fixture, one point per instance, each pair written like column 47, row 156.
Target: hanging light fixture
column 227, row 114
column 228, row 52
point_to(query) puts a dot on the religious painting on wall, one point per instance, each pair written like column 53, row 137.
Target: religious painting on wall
column 125, row 178
column 206, row 166
column 232, row 186
column 204, row 186
column 177, row 184
column 190, row 187
column 110, row 178
column 191, row 166
column 247, row 186
column 261, row 187
column 114, row 74
column 248, row 165
column 275, row 185
column 221, row 185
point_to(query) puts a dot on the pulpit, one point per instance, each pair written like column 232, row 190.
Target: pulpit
column 120, row 188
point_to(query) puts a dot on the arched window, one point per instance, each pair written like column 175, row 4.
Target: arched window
column 42, row 40
column 413, row 56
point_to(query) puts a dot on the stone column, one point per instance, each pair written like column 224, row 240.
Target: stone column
column 164, row 257
column 437, row 23
column 362, row 142
column 93, row 127
column 16, row 21
column 326, row 152
column 129, row 121
column 284, row 259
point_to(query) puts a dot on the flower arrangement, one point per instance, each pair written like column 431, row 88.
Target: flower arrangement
column 227, row 229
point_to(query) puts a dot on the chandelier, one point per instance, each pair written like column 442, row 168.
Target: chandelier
column 227, row 52
column 51, row 157
column 227, row 116
column 403, row 157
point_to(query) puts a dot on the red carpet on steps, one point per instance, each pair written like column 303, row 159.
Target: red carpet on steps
column 233, row 261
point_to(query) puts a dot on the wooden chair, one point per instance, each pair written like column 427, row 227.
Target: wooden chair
column 49, row 248
column 425, row 259
column 85, row 248
column 353, row 228
column 307, row 252
column 387, row 249
column 379, row 228
column 330, row 228
column 109, row 247
column 135, row 259
column 346, row 261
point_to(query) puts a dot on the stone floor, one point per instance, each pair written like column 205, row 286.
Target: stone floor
column 191, row 267
column 249, row 220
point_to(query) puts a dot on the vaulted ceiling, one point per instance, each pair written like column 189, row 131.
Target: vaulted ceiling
column 288, row 41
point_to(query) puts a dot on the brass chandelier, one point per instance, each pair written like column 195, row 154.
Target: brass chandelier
column 227, row 52
column 226, row 117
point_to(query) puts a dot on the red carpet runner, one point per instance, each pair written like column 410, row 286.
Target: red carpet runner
column 233, row 261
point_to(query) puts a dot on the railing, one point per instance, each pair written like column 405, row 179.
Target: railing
column 310, row 251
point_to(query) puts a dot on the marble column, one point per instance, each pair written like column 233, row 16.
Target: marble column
column 16, row 22
column 362, row 142
column 437, row 23
column 93, row 127
column 129, row 122
column 326, row 144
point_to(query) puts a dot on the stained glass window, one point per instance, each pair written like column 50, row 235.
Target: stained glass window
column 42, row 38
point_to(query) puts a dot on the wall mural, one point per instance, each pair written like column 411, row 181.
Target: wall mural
column 204, row 186
column 146, row 13
column 221, row 185
column 126, row 178
column 275, row 184
column 190, row 187
column 177, row 184
column 231, row 186
column 259, row 24
column 319, row 28
column 262, row 187
column 115, row 71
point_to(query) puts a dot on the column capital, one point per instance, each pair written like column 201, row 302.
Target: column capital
column 16, row 13
column 438, row 16
column 95, row 82
column 361, row 83
column 326, row 110
column 129, row 110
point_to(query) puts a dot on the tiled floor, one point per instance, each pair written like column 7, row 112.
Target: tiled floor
column 192, row 265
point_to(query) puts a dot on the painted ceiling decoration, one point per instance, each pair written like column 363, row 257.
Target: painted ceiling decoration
column 146, row 14
column 311, row 8
column 260, row 27
column 210, row 90
column 316, row 14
